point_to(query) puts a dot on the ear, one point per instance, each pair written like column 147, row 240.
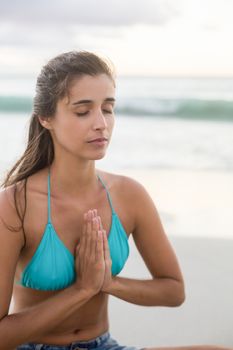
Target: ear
column 45, row 122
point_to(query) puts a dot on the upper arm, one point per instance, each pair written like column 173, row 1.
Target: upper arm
column 149, row 235
column 10, row 247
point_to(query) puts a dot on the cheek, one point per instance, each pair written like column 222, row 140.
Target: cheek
column 68, row 131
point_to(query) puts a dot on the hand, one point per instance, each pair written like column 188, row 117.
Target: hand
column 107, row 258
column 90, row 262
column 108, row 265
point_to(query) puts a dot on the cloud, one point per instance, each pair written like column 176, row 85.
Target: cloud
column 72, row 23
column 150, row 36
column 88, row 12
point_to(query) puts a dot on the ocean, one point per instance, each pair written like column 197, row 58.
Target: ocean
column 165, row 123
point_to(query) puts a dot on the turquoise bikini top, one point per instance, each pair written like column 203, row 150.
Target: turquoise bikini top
column 52, row 267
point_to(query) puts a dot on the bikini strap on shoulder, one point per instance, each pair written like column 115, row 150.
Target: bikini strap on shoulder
column 108, row 194
column 49, row 207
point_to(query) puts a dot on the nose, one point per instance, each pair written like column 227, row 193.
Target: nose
column 100, row 121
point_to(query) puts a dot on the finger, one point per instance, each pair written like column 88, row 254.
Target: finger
column 84, row 223
column 94, row 237
column 95, row 224
column 92, row 214
column 77, row 249
column 99, row 246
column 78, row 256
column 86, row 233
column 106, row 247
column 88, row 237
column 89, row 222
column 84, row 230
column 92, row 217
column 82, row 239
column 100, row 223
column 81, row 246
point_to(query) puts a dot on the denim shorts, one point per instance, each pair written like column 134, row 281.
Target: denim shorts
column 102, row 342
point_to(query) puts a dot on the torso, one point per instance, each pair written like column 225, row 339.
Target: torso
column 67, row 216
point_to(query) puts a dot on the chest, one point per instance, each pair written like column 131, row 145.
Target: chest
column 67, row 219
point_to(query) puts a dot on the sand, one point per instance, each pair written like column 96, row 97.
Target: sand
column 191, row 203
column 205, row 317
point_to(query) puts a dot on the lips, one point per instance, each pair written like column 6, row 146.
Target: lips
column 99, row 139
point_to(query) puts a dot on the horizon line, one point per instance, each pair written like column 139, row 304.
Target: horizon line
column 142, row 76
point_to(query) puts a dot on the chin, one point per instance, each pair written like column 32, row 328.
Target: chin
column 98, row 156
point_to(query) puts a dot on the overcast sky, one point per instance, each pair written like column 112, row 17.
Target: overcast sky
column 150, row 37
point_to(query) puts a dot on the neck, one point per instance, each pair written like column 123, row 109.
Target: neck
column 68, row 179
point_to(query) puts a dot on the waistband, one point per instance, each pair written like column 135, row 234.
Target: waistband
column 92, row 343
column 86, row 344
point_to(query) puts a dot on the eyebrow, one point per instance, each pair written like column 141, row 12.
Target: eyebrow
column 108, row 99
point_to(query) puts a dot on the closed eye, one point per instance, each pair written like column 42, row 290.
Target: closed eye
column 85, row 113
column 81, row 114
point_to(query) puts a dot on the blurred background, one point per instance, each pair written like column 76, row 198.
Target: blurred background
column 173, row 133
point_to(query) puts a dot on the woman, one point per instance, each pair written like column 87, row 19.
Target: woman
column 65, row 224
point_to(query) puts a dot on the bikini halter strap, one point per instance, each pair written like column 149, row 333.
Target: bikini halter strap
column 49, row 194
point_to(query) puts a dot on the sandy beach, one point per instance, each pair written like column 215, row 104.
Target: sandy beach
column 204, row 250
column 190, row 203
column 205, row 317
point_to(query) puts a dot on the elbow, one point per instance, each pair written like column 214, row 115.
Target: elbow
column 179, row 300
column 178, row 294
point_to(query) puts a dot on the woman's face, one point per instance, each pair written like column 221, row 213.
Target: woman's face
column 85, row 115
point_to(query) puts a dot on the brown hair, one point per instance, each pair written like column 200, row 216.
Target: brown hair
column 52, row 84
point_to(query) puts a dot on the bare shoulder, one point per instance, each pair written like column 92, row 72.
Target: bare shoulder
column 131, row 195
column 11, row 209
column 9, row 195
column 128, row 186
column 12, row 241
column 36, row 181
column 119, row 179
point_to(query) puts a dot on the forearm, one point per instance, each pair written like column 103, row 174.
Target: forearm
column 36, row 321
column 155, row 292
